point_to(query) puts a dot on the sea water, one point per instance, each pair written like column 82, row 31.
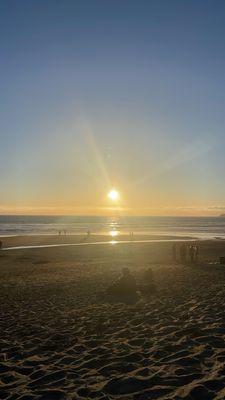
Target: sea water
column 199, row 227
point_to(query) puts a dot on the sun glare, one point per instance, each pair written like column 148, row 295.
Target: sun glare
column 113, row 233
column 113, row 195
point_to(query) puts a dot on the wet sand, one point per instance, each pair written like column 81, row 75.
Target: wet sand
column 60, row 340
column 56, row 240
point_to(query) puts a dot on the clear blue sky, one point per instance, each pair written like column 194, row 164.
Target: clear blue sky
column 99, row 93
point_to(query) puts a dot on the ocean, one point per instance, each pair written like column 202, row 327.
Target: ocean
column 198, row 227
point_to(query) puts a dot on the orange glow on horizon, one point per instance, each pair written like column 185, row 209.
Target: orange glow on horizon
column 198, row 210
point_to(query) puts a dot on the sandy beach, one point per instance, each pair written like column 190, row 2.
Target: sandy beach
column 112, row 200
column 60, row 340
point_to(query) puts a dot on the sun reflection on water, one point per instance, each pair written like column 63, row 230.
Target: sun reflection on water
column 113, row 233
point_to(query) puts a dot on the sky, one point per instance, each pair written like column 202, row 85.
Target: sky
column 101, row 94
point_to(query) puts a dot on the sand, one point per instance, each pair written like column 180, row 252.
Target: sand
column 56, row 240
column 60, row 340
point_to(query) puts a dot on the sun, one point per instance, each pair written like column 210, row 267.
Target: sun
column 113, row 195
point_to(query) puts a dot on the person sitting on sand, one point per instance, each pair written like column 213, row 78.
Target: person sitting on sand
column 148, row 275
column 125, row 286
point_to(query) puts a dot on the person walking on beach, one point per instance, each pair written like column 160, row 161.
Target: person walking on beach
column 191, row 252
column 196, row 251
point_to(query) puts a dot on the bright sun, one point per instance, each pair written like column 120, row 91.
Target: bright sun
column 113, row 195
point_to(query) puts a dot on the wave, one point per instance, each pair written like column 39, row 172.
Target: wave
column 52, row 225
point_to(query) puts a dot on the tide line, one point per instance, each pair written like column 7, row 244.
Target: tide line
column 112, row 242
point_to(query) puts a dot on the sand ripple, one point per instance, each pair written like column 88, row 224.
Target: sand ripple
column 59, row 342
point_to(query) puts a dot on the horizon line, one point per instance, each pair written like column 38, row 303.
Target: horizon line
column 112, row 216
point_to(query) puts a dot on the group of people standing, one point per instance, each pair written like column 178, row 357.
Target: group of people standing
column 185, row 252
column 62, row 233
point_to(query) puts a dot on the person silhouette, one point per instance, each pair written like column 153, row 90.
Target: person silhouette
column 191, row 251
column 124, row 286
column 196, row 251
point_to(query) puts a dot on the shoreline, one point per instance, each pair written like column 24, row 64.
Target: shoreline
column 112, row 242
column 47, row 241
